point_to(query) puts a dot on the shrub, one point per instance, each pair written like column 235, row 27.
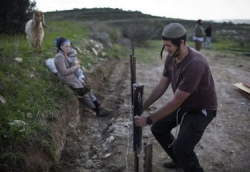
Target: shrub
column 14, row 14
column 139, row 32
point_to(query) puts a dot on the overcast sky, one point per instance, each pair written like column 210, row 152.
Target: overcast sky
column 183, row 9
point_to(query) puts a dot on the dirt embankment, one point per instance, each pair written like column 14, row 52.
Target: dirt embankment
column 69, row 118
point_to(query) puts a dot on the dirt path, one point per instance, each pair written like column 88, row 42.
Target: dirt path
column 90, row 146
column 104, row 144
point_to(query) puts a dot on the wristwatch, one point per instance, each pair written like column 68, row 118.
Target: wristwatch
column 149, row 120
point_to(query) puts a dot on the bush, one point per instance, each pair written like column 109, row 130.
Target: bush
column 14, row 14
column 139, row 32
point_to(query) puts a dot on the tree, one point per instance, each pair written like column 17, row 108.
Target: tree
column 14, row 14
column 139, row 31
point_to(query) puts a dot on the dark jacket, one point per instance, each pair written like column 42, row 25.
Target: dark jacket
column 208, row 32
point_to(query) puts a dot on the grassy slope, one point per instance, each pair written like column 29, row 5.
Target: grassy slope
column 31, row 91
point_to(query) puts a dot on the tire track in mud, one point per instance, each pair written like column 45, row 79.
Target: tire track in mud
column 92, row 145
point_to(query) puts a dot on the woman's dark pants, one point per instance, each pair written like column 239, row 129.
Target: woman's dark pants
column 191, row 131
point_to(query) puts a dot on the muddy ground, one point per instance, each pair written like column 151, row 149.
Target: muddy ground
column 104, row 144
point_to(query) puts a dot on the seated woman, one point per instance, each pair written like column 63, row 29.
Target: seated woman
column 66, row 72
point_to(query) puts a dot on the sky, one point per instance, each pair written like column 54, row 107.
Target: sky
column 215, row 10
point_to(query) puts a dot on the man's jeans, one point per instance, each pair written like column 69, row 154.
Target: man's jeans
column 208, row 42
column 191, row 130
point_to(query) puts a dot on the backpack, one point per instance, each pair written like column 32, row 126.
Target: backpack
column 50, row 63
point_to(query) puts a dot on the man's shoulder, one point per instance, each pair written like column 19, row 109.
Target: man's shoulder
column 195, row 53
column 196, row 57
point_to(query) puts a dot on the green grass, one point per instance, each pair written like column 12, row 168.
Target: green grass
column 150, row 53
column 31, row 91
column 225, row 45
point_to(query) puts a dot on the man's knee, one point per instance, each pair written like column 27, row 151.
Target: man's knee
column 157, row 130
column 154, row 130
column 162, row 135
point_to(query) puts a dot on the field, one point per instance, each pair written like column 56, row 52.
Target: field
column 60, row 137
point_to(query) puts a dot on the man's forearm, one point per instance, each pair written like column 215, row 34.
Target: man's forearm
column 164, row 111
column 178, row 99
column 156, row 94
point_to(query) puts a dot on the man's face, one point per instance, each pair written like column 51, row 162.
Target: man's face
column 169, row 47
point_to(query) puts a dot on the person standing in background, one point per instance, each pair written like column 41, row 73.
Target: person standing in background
column 208, row 32
column 198, row 35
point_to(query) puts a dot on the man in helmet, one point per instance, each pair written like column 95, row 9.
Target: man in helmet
column 194, row 103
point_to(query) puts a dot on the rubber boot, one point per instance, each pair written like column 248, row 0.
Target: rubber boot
column 102, row 111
